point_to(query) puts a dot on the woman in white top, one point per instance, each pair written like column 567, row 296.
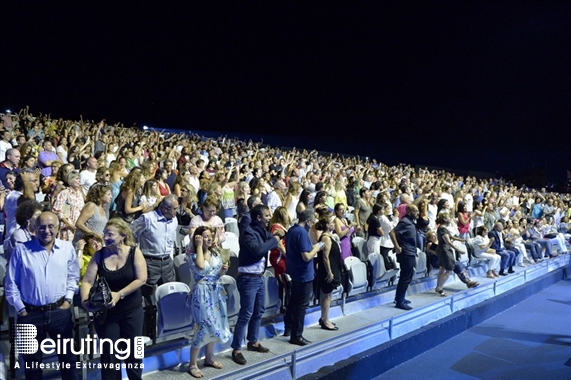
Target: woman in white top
column 292, row 199
column 482, row 249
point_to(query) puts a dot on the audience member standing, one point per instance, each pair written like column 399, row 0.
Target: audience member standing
column 156, row 232
column 87, row 177
column 404, row 239
column 122, row 264
column 42, row 278
column 299, row 265
column 255, row 242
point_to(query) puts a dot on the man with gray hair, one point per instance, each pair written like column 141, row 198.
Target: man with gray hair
column 156, row 233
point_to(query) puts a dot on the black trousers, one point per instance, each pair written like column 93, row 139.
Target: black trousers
column 298, row 304
column 407, row 264
column 126, row 326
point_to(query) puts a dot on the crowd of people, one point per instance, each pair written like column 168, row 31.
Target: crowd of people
column 84, row 199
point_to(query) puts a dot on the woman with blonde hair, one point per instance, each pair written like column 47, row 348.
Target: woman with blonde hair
column 292, row 199
column 128, row 202
column 124, row 268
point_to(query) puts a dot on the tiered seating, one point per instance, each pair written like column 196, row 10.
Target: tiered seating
column 174, row 316
column 379, row 276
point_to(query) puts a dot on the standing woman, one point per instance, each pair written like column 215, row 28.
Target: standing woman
column 280, row 222
column 445, row 251
column 208, row 304
column 68, row 205
column 122, row 264
column 344, row 230
column 128, row 205
column 463, row 220
column 180, row 182
column 161, row 176
column 389, row 219
column 208, row 218
column 328, row 268
column 363, row 208
column 375, row 234
column 93, row 217
column 292, row 199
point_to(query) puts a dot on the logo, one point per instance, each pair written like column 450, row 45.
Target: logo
column 27, row 343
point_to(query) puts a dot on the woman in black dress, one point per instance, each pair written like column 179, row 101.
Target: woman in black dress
column 122, row 264
column 445, row 252
column 328, row 268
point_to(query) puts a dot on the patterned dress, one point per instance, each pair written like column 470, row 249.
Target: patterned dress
column 68, row 204
column 208, row 303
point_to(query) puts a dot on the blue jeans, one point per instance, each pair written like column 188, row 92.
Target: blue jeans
column 295, row 315
column 252, row 306
column 508, row 259
column 52, row 322
column 545, row 244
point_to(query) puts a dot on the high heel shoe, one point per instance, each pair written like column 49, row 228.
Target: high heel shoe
column 441, row 292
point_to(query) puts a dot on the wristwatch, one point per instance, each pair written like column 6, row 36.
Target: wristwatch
column 69, row 300
column 122, row 295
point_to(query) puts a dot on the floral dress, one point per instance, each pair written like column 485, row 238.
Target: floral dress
column 68, row 204
column 208, row 303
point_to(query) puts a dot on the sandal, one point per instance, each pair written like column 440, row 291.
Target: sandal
column 213, row 364
column 441, row 292
column 195, row 372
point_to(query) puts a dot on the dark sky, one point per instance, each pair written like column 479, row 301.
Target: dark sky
column 481, row 85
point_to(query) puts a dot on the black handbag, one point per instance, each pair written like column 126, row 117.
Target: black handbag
column 99, row 297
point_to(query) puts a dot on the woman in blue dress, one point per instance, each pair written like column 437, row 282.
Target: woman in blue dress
column 208, row 301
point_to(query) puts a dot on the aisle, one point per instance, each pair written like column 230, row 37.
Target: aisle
column 531, row 340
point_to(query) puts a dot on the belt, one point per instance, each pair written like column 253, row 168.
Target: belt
column 50, row 306
column 160, row 258
column 251, row 274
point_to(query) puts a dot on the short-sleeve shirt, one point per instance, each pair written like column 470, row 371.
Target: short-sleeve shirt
column 297, row 242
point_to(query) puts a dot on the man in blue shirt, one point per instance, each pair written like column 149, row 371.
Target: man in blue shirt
column 299, row 265
column 404, row 239
column 156, row 233
column 42, row 277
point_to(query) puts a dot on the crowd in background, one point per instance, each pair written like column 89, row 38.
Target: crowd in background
column 88, row 173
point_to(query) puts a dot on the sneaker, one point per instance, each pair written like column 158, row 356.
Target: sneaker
column 403, row 306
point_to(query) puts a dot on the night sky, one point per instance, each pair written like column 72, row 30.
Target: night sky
column 482, row 85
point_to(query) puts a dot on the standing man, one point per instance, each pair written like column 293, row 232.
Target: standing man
column 5, row 144
column 255, row 242
column 87, row 176
column 172, row 174
column 299, row 265
column 10, row 163
column 42, row 278
column 404, row 239
column 156, row 233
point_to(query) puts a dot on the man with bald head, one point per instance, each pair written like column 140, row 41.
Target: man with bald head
column 404, row 239
column 42, row 278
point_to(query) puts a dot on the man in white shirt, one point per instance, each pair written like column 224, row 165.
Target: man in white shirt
column 5, row 144
column 87, row 176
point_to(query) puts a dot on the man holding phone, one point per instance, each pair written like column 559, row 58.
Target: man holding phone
column 299, row 265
